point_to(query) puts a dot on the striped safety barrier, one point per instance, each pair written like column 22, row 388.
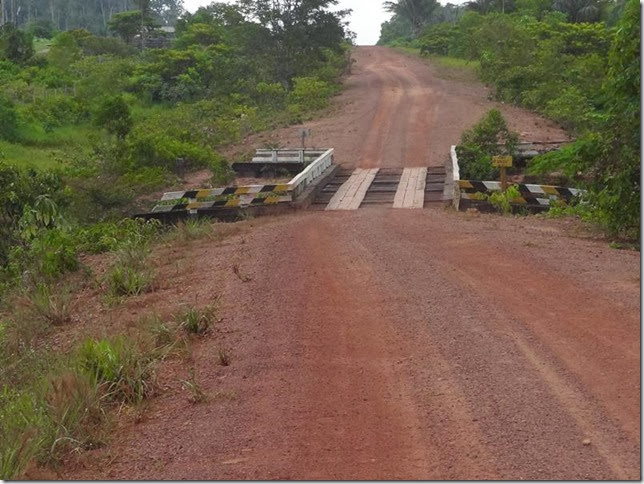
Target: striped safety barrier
column 246, row 196
column 530, row 194
column 231, row 197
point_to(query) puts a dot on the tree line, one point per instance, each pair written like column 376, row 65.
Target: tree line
column 574, row 61
column 44, row 17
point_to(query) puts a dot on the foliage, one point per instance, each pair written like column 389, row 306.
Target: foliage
column 194, row 321
column 113, row 114
column 43, row 16
column 125, row 374
column 132, row 23
column 416, row 12
column 436, row 39
column 308, row 94
column 607, row 158
column 8, row 120
column 491, row 136
column 130, row 275
column 15, row 45
column 502, row 200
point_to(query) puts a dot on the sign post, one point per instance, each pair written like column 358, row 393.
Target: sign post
column 304, row 133
column 503, row 162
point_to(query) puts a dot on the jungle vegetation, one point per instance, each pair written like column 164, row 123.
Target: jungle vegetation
column 576, row 62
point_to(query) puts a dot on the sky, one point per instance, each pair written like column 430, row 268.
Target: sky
column 365, row 20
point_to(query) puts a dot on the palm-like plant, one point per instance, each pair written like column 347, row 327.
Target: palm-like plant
column 579, row 10
column 417, row 12
column 487, row 6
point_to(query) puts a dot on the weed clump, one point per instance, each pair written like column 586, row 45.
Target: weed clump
column 130, row 275
column 195, row 321
column 123, row 372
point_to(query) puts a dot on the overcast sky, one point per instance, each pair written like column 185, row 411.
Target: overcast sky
column 365, row 20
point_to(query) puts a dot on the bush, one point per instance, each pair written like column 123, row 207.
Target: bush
column 436, row 39
column 8, row 120
column 490, row 137
column 125, row 374
column 57, row 110
column 309, row 94
column 15, row 45
column 154, row 149
column 113, row 114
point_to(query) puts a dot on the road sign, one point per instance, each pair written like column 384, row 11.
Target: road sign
column 502, row 161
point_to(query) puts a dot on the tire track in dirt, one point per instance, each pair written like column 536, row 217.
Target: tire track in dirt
column 382, row 344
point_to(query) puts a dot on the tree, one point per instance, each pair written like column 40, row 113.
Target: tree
column 579, row 10
column 300, row 31
column 126, row 25
column 15, row 45
column 619, row 162
column 488, row 6
column 113, row 114
column 417, row 12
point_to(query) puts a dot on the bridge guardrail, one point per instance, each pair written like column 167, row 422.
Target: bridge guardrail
column 530, row 194
column 245, row 196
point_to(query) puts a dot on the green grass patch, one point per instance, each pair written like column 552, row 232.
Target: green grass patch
column 448, row 68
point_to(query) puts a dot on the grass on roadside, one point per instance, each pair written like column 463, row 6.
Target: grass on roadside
column 449, row 68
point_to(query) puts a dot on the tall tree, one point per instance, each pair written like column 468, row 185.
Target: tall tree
column 417, row 12
column 579, row 10
column 300, row 31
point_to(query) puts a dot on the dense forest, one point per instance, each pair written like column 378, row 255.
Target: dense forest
column 574, row 61
column 47, row 16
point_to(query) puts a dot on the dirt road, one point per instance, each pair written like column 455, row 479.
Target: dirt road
column 401, row 344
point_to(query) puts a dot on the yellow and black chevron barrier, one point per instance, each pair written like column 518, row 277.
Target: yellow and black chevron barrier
column 530, row 194
column 230, row 197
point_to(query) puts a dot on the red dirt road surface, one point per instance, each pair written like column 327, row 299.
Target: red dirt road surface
column 401, row 344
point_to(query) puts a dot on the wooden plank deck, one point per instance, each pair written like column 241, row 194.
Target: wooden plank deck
column 411, row 189
column 351, row 194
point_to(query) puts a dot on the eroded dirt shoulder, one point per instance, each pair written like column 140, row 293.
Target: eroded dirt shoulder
column 455, row 349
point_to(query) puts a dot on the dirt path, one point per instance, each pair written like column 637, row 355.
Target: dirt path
column 400, row 344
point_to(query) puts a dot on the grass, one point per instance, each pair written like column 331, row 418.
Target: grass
column 197, row 395
column 52, row 305
column 64, row 403
column 195, row 321
column 125, row 373
column 449, row 68
column 47, row 150
column 130, row 275
column 53, row 401
column 191, row 229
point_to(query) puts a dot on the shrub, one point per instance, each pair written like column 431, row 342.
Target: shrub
column 502, row 200
column 111, row 236
column 15, row 45
column 113, row 114
column 309, row 94
column 8, row 120
column 491, row 136
column 154, row 149
column 57, row 110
